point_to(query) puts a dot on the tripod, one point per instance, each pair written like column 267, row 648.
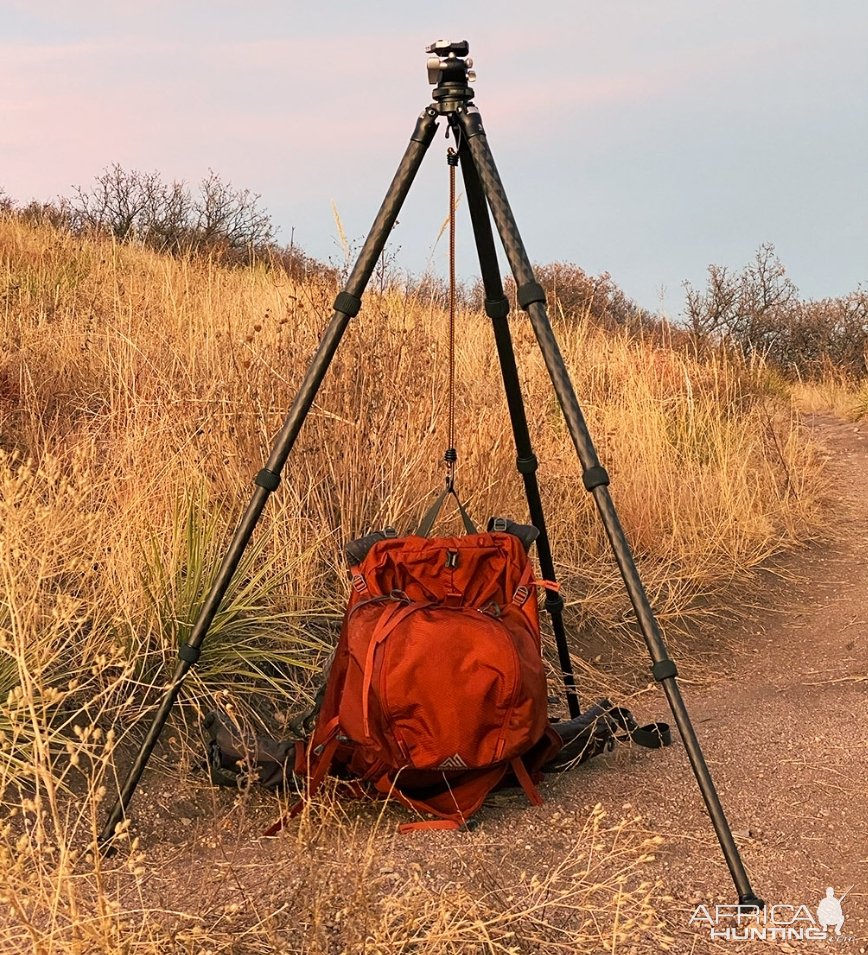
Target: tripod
column 449, row 72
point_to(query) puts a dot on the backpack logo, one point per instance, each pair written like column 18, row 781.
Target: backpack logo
column 453, row 762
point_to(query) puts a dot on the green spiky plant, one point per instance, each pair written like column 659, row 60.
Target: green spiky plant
column 263, row 638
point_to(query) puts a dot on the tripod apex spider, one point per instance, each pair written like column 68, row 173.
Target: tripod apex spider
column 450, row 74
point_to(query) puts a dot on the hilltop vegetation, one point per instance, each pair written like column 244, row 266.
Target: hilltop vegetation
column 139, row 392
column 757, row 311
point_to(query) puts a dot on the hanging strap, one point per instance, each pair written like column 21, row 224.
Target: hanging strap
column 451, row 455
column 430, row 517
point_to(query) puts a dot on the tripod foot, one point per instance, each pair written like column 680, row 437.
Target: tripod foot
column 750, row 902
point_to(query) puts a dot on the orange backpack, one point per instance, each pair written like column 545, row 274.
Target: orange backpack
column 437, row 692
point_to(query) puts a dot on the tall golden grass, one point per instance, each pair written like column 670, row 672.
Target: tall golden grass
column 139, row 394
column 836, row 394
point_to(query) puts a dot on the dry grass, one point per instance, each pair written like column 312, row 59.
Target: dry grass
column 138, row 394
column 338, row 882
column 833, row 394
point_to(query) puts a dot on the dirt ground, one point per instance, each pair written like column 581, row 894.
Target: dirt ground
column 784, row 731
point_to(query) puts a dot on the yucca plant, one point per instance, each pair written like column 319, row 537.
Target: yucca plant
column 258, row 641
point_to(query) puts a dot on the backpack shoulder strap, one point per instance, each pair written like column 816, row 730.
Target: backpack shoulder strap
column 596, row 730
column 427, row 522
column 357, row 550
column 651, row 735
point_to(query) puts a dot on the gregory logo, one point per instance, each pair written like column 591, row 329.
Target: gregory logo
column 453, row 762
column 790, row 923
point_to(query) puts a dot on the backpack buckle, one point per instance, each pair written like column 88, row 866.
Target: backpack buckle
column 499, row 524
column 521, row 594
column 492, row 609
column 389, row 532
column 359, row 584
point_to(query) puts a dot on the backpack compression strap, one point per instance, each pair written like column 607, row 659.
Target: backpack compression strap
column 389, row 619
column 524, row 780
column 324, row 754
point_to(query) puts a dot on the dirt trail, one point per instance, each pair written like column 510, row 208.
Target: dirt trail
column 784, row 734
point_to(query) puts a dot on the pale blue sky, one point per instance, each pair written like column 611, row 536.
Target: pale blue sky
column 645, row 139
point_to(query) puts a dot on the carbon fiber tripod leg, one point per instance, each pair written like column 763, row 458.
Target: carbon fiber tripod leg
column 532, row 300
column 346, row 305
column 497, row 309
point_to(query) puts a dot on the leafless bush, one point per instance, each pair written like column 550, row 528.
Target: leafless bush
column 570, row 290
column 748, row 306
column 232, row 216
column 759, row 310
column 299, row 266
column 55, row 214
column 832, row 331
column 168, row 216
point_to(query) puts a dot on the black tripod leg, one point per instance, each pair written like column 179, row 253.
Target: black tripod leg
column 532, row 299
column 346, row 305
column 497, row 309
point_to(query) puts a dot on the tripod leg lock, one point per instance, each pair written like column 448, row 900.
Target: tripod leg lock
column 496, row 307
column 527, row 465
column 425, row 126
column 189, row 654
column 267, row 479
column 529, row 293
column 663, row 670
column 348, row 303
column 595, row 477
column 554, row 604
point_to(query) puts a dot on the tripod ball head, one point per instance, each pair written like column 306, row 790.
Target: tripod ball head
column 447, row 47
column 450, row 62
